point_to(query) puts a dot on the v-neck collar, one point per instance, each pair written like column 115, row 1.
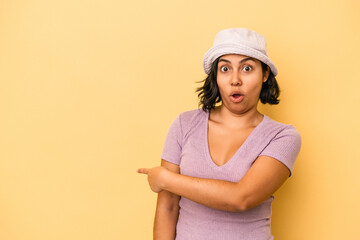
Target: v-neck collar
column 238, row 151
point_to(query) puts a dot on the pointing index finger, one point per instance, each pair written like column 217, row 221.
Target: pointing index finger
column 143, row 170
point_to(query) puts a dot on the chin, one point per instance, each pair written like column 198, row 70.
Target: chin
column 238, row 108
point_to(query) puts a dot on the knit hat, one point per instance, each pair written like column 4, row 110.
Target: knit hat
column 238, row 41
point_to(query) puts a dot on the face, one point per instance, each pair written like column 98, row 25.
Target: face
column 240, row 79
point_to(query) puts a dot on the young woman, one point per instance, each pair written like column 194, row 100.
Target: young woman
column 221, row 164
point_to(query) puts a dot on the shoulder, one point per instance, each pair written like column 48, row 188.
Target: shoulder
column 188, row 120
column 276, row 128
column 283, row 138
column 191, row 115
column 283, row 142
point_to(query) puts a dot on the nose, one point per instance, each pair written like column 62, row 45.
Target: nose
column 235, row 79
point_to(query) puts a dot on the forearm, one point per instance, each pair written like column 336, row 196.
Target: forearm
column 213, row 193
column 164, row 227
column 264, row 177
column 166, row 216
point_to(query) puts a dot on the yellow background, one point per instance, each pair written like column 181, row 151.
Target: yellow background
column 88, row 90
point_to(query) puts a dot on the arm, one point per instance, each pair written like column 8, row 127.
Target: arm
column 167, row 209
column 264, row 177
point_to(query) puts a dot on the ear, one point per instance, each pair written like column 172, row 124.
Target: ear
column 266, row 74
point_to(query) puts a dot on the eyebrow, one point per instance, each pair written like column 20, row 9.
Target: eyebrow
column 244, row 60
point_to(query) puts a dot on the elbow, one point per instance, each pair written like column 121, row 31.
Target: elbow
column 240, row 204
column 241, row 207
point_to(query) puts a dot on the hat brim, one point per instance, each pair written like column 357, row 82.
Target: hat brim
column 223, row 49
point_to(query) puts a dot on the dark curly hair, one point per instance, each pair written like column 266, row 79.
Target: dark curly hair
column 209, row 93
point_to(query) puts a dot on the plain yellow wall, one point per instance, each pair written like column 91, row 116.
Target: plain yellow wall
column 88, row 90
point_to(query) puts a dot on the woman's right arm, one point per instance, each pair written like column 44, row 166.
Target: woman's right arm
column 167, row 210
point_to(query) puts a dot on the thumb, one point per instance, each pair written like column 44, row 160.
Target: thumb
column 143, row 170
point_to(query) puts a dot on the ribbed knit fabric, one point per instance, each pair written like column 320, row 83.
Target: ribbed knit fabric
column 186, row 145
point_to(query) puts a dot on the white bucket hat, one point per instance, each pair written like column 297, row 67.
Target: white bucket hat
column 238, row 41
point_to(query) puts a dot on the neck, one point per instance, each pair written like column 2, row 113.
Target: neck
column 233, row 120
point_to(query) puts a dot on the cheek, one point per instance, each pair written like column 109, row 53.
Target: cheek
column 220, row 83
column 254, row 86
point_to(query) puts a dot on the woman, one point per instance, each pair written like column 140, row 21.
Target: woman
column 221, row 164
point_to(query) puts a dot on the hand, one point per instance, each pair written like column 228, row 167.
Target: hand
column 156, row 177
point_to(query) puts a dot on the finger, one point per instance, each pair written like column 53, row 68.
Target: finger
column 143, row 170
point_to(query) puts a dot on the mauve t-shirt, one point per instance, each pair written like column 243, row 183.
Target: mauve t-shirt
column 186, row 145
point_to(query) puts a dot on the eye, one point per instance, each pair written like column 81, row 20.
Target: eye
column 224, row 69
column 247, row 68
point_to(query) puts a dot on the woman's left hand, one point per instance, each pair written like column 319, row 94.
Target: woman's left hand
column 156, row 177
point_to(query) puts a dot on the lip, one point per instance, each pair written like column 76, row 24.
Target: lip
column 236, row 99
column 235, row 92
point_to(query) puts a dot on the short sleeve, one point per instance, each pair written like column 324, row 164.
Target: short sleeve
column 285, row 147
column 173, row 143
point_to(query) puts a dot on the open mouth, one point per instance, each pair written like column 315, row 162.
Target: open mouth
column 236, row 97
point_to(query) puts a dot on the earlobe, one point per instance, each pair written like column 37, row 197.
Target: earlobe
column 267, row 74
